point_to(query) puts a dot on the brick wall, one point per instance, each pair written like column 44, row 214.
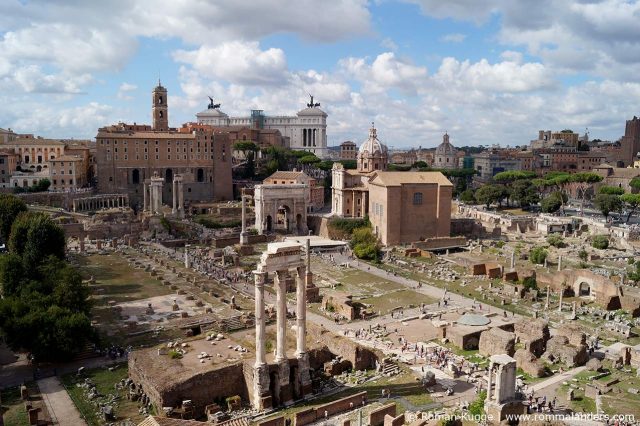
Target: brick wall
column 348, row 403
column 278, row 421
column 376, row 417
column 394, row 421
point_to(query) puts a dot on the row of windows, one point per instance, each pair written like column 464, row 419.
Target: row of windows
column 377, row 209
column 55, row 182
column 115, row 142
column 62, row 172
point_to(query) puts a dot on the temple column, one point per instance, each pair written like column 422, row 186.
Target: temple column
column 559, row 263
column 174, row 209
column 244, row 237
column 301, row 312
column 560, row 304
column 181, row 197
column 303, row 381
column 261, row 380
column 186, row 256
column 259, row 278
column 281, row 312
column 489, row 381
column 144, row 191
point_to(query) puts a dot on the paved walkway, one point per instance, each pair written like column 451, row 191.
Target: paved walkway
column 60, row 406
column 557, row 378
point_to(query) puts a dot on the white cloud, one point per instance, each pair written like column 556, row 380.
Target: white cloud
column 453, row 38
column 389, row 44
column 238, row 62
column 124, row 91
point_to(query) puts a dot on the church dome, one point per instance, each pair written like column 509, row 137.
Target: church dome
column 372, row 145
column 315, row 111
column 445, row 148
column 212, row 113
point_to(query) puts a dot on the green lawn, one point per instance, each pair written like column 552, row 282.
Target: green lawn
column 12, row 408
column 104, row 381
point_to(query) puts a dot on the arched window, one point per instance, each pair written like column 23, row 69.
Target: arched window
column 135, row 176
column 200, row 176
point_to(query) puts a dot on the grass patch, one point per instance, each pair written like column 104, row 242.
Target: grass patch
column 104, row 381
column 13, row 411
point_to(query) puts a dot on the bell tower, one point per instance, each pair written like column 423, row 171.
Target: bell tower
column 159, row 108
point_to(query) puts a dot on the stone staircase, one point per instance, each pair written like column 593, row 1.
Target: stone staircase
column 389, row 368
column 240, row 421
column 232, row 324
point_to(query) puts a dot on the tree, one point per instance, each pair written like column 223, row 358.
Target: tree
column 245, row 146
column 10, row 207
column 610, row 190
column 468, row 197
column 11, row 274
column 420, row 165
column 309, row 159
column 512, row 176
column 600, row 242
column 537, row 255
column 524, row 193
column 34, row 237
column 552, row 202
column 489, row 194
column 555, row 240
column 583, row 182
column 635, row 183
column 607, row 203
column 365, row 245
column 631, row 203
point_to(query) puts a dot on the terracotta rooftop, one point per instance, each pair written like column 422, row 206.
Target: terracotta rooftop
column 400, row 178
column 283, row 174
column 165, row 421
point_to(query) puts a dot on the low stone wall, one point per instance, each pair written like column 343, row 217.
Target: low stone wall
column 229, row 381
column 394, row 421
column 222, row 242
column 327, row 410
column 376, row 417
column 360, row 356
column 440, row 243
column 278, row 421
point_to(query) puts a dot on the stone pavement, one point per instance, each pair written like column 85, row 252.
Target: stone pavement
column 60, row 406
column 558, row 378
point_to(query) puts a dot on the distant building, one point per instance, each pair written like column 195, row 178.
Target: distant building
column 316, row 192
column 491, row 162
column 446, row 156
column 8, row 163
column 68, row 173
column 548, row 139
column 307, row 130
column 348, row 150
column 630, row 142
column 402, row 206
column 6, row 135
column 129, row 154
column 409, row 206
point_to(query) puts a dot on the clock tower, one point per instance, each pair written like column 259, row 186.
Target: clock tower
column 159, row 108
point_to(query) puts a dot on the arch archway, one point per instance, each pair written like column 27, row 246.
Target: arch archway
column 283, row 217
column 135, row 176
column 584, row 289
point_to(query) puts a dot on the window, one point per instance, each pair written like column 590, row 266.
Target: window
column 417, row 198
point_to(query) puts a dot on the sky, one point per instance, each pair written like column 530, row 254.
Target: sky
column 485, row 71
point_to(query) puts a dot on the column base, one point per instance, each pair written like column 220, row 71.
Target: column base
column 303, row 372
column 244, row 238
column 261, row 395
column 284, row 371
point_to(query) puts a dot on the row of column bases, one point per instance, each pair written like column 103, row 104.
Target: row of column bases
column 100, row 202
column 152, row 189
column 283, row 390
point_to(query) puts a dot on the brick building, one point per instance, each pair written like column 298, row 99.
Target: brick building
column 402, row 206
column 68, row 173
column 128, row 154
column 631, row 141
column 348, row 150
column 8, row 163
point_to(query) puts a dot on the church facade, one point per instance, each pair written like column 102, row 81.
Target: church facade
column 402, row 206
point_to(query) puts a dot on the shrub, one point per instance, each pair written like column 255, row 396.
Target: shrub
column 555, row 240
column 365, row 244
column 530, row 283
column 173, row 354
column 476, row 408
column 583, row 255
column 537, row 255
column 600, row 242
